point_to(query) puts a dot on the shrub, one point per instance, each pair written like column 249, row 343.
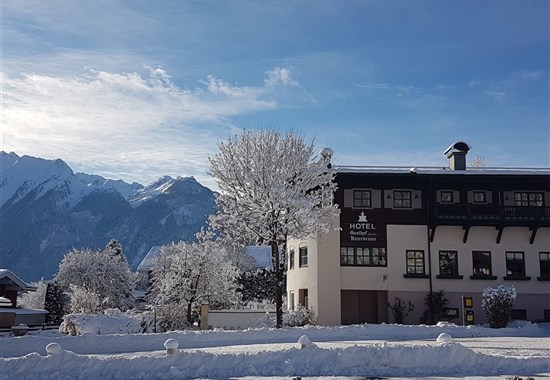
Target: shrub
column 300, row 317
column 437, row 308
column 400, row 309
column 497, row 302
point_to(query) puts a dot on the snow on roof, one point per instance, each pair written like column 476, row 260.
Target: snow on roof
column 147, row 263
column 261, row 254
column 442, row 170
column 6, row 273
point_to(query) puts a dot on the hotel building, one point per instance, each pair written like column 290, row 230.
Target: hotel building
column 406, row 232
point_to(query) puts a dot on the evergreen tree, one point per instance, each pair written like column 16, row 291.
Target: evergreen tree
column 56, row 303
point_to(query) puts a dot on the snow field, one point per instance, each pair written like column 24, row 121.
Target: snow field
column 364, row 350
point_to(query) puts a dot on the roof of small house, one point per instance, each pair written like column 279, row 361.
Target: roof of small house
column 147, row 263
column 7, row 275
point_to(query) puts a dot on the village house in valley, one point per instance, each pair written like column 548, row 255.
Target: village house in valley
column 406, row 232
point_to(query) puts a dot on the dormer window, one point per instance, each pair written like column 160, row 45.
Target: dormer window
column 362, row 198
column 447, row 197
column 479, row 197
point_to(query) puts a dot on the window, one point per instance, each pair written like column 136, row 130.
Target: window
column 518, row 314
column 401, row 199
column 515, row 264
column 447, row 197
column 291, row 259
column 544, row 260
column 303, row 298
column 362, row 198
column 303, row 257
column 527, row 199
column 363, row 256
column 448, row 263
column 479, row 197
column 482, row 263
column 547, row 314
column 415, row 262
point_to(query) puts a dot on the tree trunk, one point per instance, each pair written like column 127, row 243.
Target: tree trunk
column 279, row 288
column 189, row 307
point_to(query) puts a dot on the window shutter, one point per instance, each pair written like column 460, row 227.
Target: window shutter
column 470, row 196
column 417, row 199
column 376, row 201
column 508, row 198
column 388, row 198
column 456, row 196
column 348, row 198
column 488, row 197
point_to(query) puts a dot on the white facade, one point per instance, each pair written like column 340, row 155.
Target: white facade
column 339, row 293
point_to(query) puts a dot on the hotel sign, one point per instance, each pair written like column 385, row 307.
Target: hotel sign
column 361, row 230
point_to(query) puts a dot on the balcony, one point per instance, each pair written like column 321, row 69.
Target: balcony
column 491, row 215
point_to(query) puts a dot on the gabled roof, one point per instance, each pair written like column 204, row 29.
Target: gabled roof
column 6, row 273
column 147, row 263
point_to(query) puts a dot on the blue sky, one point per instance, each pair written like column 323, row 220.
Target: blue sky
column 140, row 89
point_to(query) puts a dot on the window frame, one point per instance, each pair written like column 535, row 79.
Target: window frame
column 483, row 197
column 525, row 199
column 447, row 192
column 291, row 255
column 302, row 257
column 376, row 257
column 515, row 266
column 398, row 197
column 453, row 273
column 544, row 269
column 480, row 268
column 364, row 202
column 412, row 256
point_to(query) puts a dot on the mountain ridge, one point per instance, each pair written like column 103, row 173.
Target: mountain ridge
column 46, row 209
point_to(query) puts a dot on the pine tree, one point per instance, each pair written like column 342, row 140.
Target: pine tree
column 56, row 303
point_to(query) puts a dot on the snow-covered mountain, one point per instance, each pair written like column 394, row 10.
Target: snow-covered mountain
column 46, row 209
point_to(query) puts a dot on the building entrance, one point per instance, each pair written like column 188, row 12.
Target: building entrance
column 364, row 306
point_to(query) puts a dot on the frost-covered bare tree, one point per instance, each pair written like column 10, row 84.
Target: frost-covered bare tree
column 190, row 272
column 100, row 272
column 272, row 187
column 36, row 299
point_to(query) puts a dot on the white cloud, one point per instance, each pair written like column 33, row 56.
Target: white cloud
column 280, row 76
column 128, row 125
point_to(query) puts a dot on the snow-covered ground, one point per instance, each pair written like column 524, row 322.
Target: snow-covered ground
column 357, row 352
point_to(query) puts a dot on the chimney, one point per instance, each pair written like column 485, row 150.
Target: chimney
column 456, row 154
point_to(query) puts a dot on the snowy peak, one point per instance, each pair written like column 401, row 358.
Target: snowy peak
column 98, row 182
column 20, row 176
column 166, row 186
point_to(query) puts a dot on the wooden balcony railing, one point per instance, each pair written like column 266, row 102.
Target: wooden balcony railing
column 489, row 214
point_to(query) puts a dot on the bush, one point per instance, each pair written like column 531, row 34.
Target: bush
column 299, row 317
column 400, row 309
column 437, row 308
column 497, row 302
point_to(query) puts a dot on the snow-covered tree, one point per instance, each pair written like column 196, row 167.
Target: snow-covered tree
column 258, row 286
column 84, row 300
column 498, row 301
column 36, row 299
column 101, row 272
column 271, row 188
column 187, row 273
